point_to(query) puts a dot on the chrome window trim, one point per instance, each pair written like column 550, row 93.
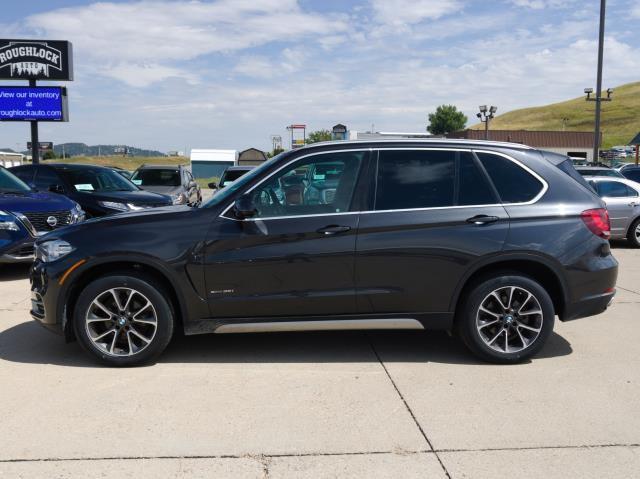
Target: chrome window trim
column 545, row 185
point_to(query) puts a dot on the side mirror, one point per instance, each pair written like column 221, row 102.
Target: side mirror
column 213, row 185
column 57, row 189
column 244, row 207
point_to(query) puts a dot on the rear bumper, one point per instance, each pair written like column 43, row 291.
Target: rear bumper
column 589, row 306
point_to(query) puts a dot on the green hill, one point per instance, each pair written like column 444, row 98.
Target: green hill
column 620, row 118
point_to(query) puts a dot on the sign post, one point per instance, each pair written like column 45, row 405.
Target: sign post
column 34, row 60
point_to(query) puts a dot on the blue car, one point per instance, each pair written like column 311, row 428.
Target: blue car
column 25, row 215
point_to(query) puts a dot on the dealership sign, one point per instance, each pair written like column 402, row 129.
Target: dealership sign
column 33, row 103
column 36, row 60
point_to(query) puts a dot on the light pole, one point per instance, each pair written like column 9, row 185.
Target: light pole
column 486, row 115
column 598, row 99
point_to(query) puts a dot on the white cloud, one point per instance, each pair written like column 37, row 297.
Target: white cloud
column 541, row 4
column 142, row 75
column 161, row 33
column 255, row 66
column 635, row 9
column 407, row 12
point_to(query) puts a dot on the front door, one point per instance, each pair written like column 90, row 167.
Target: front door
column 295, row 257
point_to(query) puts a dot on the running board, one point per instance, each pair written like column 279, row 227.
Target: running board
column 329, row 325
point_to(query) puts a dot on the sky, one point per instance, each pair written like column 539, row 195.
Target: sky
column 176, row 75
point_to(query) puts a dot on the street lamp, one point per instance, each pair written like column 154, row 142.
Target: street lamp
column 486, row 116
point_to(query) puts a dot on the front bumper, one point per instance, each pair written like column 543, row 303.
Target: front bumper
column 19, row 252
column 48, row 294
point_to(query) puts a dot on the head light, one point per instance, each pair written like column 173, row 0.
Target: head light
column 114, row 205
column 7, row 222
column 52, row 250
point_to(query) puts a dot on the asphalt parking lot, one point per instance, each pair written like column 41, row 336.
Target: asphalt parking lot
column 344, row 404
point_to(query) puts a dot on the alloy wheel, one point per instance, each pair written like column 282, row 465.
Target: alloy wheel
column 121, row 322
column 509, row 319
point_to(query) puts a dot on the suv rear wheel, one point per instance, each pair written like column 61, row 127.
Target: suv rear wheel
column 123, row 319
column 506, row 318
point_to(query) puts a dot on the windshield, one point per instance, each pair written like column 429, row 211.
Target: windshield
column 156, row 177
column 10, row 183
column 225, row 193
column 98, row 180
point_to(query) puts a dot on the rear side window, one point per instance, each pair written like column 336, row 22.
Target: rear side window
column 514, row 183
column 633, row 175
column 430, row 179
column 415, row 179
column 614, row 189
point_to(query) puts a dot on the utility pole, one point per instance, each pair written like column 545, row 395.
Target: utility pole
column 596, row 139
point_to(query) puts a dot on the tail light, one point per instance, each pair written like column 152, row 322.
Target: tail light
column 597, row 220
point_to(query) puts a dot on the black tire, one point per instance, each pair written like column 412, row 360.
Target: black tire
column 632, row 239
column 159, row 313
column 470, row 320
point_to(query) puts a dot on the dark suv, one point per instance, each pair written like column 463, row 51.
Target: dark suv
column 488, row 240
column 174, row 181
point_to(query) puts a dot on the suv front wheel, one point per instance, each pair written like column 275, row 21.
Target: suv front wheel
column 506, row 318
column 123, row 320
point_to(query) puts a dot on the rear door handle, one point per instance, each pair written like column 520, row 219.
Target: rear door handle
column 334, row 229
column 482, row 219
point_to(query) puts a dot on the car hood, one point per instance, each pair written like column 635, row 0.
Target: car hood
column 163, row 190
column 31, row 201
column 137, row 197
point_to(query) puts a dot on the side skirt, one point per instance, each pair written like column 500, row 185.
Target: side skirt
column 320, row 323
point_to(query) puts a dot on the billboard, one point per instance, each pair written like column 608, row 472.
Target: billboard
column 36, row 60
column 33, row 103
column 43, row 146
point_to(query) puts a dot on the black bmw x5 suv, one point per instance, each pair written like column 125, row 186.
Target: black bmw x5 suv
column 489, row 240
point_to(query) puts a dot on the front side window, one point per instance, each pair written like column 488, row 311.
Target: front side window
column 614, row 189
column 514, row 183
column 320, row 184
column 46, row 178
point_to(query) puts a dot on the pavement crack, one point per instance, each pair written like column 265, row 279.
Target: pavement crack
column 406, row 404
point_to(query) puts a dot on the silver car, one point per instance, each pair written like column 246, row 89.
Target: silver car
column 622, row 197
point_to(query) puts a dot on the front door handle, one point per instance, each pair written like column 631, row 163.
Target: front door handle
column 482, row 219
column 633, row 203
column 334, row 229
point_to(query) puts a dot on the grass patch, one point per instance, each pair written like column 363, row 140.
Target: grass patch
column 620, row 119
column 130, row 163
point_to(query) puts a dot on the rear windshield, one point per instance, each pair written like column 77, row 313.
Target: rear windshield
column 567, row 167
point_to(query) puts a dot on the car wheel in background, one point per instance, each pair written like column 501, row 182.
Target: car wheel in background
column 633, row 237
column 123, row 319
column 505, row 318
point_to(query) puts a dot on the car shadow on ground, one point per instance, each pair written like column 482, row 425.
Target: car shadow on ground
column 14, row 271
column 29, row 342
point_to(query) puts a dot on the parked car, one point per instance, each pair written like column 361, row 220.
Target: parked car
column 598, row 171
column 26, row 215
column 622, row 197
column 174, row 181
column 631, row 172
column 99, row 190
column 230, row 175
column 488, row 240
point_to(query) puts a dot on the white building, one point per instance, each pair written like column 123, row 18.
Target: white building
column 9, row 159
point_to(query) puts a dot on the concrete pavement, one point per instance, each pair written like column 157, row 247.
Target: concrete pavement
column 348, row 404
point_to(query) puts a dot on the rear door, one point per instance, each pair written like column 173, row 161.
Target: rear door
column 622, row 203
column 434, row 213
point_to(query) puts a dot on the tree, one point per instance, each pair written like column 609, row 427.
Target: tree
column 446, row 119
column 316, row 136
column 276, row 151
column 49, row 155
